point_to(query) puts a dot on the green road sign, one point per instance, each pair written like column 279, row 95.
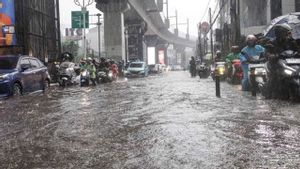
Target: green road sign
column 77, row 19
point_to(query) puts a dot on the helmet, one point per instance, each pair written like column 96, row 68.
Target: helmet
column 282, row 30
column 234, row 48
column 283, row 27
column 251, row 38
column 89, row 59
column 218, row 52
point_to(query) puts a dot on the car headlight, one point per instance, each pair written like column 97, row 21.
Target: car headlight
column 4, row 77
column 288, row 72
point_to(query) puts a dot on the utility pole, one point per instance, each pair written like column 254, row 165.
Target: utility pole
column 211, row 35
column 188, row 29
column 200, row 41
column 84, row 6
column 99, row 34
column 176, row 15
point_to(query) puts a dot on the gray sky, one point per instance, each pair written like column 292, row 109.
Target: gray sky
column 192, row 9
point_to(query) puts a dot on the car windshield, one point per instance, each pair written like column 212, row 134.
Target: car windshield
column 136, row 65
column 8, row 62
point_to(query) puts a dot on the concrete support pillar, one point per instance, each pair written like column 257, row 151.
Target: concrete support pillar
column 288, row 6
column 114, row 36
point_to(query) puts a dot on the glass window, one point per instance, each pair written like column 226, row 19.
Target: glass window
column 25, row 61
column 136, row 65
column 34, row 63
column 41, row 63
column 8, row 62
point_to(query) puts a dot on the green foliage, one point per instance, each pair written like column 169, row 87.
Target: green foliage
column 71, row 47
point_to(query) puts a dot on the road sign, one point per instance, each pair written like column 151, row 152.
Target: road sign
column 205, row 27
column 77, row 19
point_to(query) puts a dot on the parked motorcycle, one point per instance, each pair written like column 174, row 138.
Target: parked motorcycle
column 203, row 70
column 85, row 78
column 218, row 69
column 287, row 74
column 235, row 75
column 67, row 74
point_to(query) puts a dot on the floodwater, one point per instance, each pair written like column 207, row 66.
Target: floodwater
column 168, row 121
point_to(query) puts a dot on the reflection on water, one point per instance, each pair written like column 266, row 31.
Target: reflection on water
column 166, row 121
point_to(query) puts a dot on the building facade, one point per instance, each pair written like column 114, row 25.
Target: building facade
column 37, row 29
column 239, row 18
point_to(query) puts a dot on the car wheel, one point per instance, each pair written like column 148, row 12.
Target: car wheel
column 46, row 85
column 17, row 90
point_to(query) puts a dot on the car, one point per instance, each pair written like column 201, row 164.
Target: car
column 136, row 69
column 155, row 69
column 21, row 74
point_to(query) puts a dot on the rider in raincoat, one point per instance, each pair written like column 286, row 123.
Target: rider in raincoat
column 247, row 55
column 92, row 69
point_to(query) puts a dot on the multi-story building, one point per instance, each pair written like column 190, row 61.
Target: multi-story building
column 244, row 17
column 35, row 27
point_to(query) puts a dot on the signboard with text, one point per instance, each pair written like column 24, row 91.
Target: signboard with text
column 7, row 23
column 77, row 19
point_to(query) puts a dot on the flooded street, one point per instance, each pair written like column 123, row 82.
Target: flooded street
column 169, row 121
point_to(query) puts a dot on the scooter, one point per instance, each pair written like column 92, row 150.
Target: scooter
column 219, row 69
column 66, row 74
column 235, row 76
column 203, row 71
column 257, row 75
column 85, row 78
column 104, row 76
column 287, row 74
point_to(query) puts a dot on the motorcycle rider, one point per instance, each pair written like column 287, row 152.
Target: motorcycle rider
column 114, row 69
column 92, row 69
column 218, row 56
column 193, row 67
column 282, row 42
column 247, row 55
column 235, row 54
column 104, row 65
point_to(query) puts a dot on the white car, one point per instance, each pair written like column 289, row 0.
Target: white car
column 136, row 69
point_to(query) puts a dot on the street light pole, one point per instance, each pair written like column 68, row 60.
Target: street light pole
column 84, row 6
column 99, row 34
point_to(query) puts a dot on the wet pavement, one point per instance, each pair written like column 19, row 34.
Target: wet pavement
column 168, row 121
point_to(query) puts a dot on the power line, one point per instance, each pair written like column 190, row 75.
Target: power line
column 205, row 12
column 217, row 5
column 222, row 7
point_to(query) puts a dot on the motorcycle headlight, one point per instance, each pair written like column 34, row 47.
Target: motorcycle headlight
column 221, row 70
column 288, row 72
column 110, row 74
column 4, row 77
column 84, row 73
column 260, row 72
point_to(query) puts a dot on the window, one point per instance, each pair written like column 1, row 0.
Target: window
column 276, row 8
column 24, row 62
column 8, row 62
column 297, row 2
column 136, row 65
column 34, row 63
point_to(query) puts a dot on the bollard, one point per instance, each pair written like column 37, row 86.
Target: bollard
column 253, row 82
column 218, row 90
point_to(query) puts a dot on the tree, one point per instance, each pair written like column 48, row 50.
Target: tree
column 71, row 47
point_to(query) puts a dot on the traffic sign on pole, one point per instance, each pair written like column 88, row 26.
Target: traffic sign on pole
column 77, row 19
column 205, row 27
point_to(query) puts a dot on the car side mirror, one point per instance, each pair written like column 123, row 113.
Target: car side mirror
column 24, row 67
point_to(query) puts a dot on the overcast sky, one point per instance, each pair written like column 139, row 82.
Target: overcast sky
column 192, row 9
